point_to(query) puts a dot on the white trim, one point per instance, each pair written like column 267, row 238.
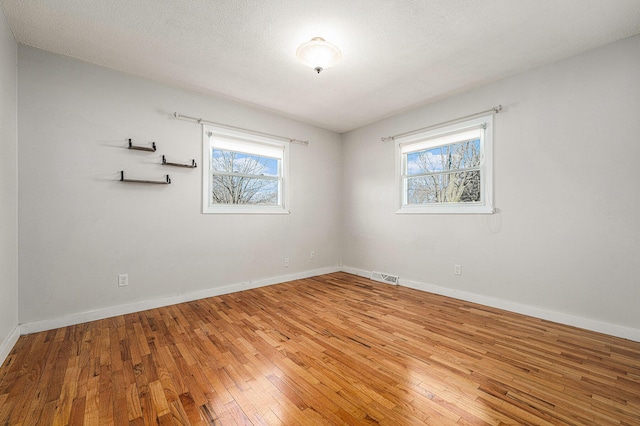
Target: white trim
column 449, row 208
column 8, row 344
column 532, row 311
column 82, row 317
column 356, row 271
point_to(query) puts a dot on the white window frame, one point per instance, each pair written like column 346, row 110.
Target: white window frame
column 434, row 138
column 247, row 143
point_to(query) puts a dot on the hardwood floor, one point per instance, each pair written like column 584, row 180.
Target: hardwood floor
column 330, row 350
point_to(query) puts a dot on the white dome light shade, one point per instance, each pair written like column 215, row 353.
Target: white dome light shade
column 318, row 54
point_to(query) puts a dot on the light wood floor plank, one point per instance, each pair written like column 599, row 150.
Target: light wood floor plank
column 331, row 350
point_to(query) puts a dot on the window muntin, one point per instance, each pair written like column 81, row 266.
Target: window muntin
column 246, row 173
column 447, row 170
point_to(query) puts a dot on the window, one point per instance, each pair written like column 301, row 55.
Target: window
column 447, row 170
column 243, row 173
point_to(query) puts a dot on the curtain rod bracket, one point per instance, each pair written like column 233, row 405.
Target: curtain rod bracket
column 255, row 132
column 494, row 110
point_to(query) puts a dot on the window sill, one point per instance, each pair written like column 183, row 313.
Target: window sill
column 244, row 210
column 449, row 209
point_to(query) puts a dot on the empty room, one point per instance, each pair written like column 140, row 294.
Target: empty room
column 243, row 212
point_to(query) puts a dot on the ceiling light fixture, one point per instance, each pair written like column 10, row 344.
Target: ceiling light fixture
column 318, row 54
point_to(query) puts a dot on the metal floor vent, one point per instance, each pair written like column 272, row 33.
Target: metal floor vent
column 385, row 278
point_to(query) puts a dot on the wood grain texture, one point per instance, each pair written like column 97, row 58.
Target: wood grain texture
column 331, row 350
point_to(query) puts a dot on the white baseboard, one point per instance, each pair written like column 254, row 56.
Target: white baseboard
column 79, row 318
column 82, row 317
column 8, row 344
column 355, row 271
column 585, row 323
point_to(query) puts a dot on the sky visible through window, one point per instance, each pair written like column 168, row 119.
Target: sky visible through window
column 266, row 166
column 460, row 155
column 441, row 174
column 239, row 178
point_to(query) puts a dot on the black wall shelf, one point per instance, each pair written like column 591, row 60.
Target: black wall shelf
column 193, row 164
column 159, row 182
column 151, row 148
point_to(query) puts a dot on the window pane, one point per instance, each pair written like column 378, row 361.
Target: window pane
column 243, row 190
column 461, row 155
column 459, row 187
column 246, row 164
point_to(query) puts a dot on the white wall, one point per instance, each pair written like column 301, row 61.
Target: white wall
column 8, row 190
column 80, row 226
column 565, row 243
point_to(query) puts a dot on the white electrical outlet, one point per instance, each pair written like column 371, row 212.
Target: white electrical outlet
column 312, row 255
column 123, row 280
column 457, row 269
column 286, row 262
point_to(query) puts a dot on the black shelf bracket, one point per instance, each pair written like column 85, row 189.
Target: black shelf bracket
column 193, row 164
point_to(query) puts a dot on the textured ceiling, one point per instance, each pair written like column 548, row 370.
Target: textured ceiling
column 396, row 54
